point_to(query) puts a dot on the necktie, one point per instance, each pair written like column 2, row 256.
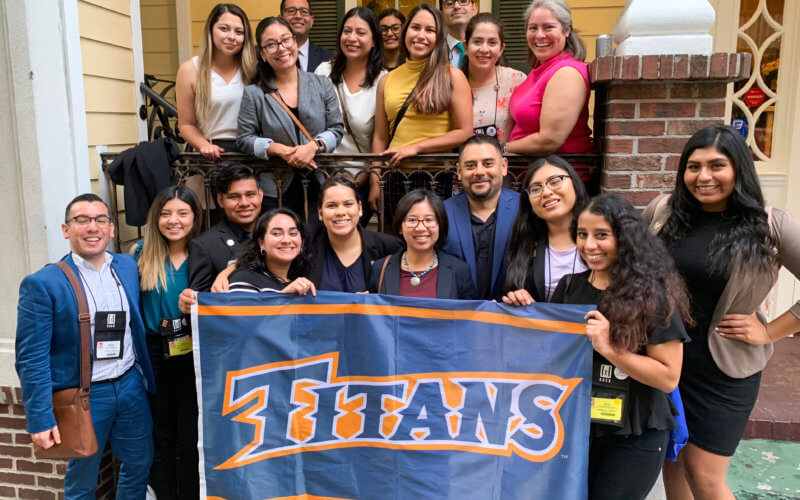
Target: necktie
column 461, row 53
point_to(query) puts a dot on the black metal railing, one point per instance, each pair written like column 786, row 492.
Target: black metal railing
column 432, row 171
column 156, row 107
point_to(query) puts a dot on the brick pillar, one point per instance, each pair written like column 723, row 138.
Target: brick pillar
column 646, row 107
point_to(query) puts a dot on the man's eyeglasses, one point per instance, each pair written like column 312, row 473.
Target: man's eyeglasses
column 449, row 4
column 286, row 43
column 394, row 28
column 290, row 11
column 413, row 222
column 84, row 220
column 554, row 183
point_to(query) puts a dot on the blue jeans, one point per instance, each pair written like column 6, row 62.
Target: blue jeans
column 120, row 412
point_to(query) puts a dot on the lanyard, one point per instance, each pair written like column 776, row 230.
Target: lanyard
column 91, row 294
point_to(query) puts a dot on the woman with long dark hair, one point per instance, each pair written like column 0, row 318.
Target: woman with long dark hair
column 274, row 258
column 341, row 250
column 491, row 79
column 421, row 268
column 267, row 127
column 208, row 87
column 637, row 335
column 542, row 249
column 392, row 21
column 424, row 105
column 355, row 72
column 728, row 247
column 174, row 219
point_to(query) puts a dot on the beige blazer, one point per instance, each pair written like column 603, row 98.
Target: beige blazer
column 746, row 291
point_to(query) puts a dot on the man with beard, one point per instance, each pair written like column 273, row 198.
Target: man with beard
column 481, row 217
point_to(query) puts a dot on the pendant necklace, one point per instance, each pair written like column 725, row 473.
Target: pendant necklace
column 417, row 279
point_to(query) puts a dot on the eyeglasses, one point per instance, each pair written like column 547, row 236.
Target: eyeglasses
column 286, row 43
column 84, row 220
column 449, row 4
column 413, row 222
column 554, row 183
column 290, row 11
column 394, row 28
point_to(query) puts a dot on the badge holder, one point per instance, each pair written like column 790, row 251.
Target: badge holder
column 176, row 337
column 610, row 391
column 109, row 332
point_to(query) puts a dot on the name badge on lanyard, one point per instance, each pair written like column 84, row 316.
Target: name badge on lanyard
column 176, row 337
column 109, row 333
column 610, row 392
column 489, row 130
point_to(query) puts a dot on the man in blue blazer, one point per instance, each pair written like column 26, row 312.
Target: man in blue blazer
column 48, row 347
column 481, row 217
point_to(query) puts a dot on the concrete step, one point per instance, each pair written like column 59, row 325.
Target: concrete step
column 777, row 411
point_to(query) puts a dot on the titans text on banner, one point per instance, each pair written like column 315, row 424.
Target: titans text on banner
column 367, row 396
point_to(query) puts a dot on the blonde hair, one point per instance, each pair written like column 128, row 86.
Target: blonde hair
column 435, row 86
column 154, row 251
column 246, row 57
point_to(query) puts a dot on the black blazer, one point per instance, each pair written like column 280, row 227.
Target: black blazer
column 455, row 280
column 373, row 247
column 210, row 253
column 316, row 56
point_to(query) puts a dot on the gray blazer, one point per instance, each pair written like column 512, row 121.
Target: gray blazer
column 262, row 120
column 746, row 290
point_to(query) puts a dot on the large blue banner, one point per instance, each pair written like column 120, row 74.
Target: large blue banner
column 371, row 396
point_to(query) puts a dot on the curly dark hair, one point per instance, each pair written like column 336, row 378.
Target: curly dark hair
column 529, row 228
column 748, row 242
column 645, row 285
column 375, row 57
column 250, row 257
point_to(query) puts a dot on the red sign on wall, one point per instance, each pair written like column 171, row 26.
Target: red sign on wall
column 754, row 97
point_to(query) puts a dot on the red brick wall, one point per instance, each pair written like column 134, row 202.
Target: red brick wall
column 647, row 107
column 21, row 474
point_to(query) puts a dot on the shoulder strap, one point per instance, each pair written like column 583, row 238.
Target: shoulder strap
column 401, row 113
column 84, row 321
column 344, row 115
column 383, row 270
column 291, row 115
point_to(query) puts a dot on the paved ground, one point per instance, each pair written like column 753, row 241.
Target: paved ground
column 759, row 469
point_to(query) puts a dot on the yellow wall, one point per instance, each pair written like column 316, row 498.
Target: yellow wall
column 256, row 10
column 594, row 17
column 159, row 39
column 108, row 78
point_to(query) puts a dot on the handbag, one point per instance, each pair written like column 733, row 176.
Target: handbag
column 71, row 407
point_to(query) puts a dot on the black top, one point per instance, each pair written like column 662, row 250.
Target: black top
column 705, row 287
column 373, row 247
column 534, row 279
column 210, row 253
column 248, row 280
column 483, row 241
column 338, row 278
column 648, row 408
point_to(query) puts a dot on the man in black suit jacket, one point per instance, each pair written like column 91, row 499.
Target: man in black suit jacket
column 298, row 14
column 211, row 252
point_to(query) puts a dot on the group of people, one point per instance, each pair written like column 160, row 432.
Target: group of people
column 393, row 87
column 678, row 289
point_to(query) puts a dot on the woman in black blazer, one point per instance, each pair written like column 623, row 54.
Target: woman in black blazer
column 341, row 251
column 422, row 269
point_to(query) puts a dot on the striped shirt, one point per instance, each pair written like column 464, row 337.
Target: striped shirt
column 104, row 292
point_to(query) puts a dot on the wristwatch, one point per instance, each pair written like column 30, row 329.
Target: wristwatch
column 320, row 145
